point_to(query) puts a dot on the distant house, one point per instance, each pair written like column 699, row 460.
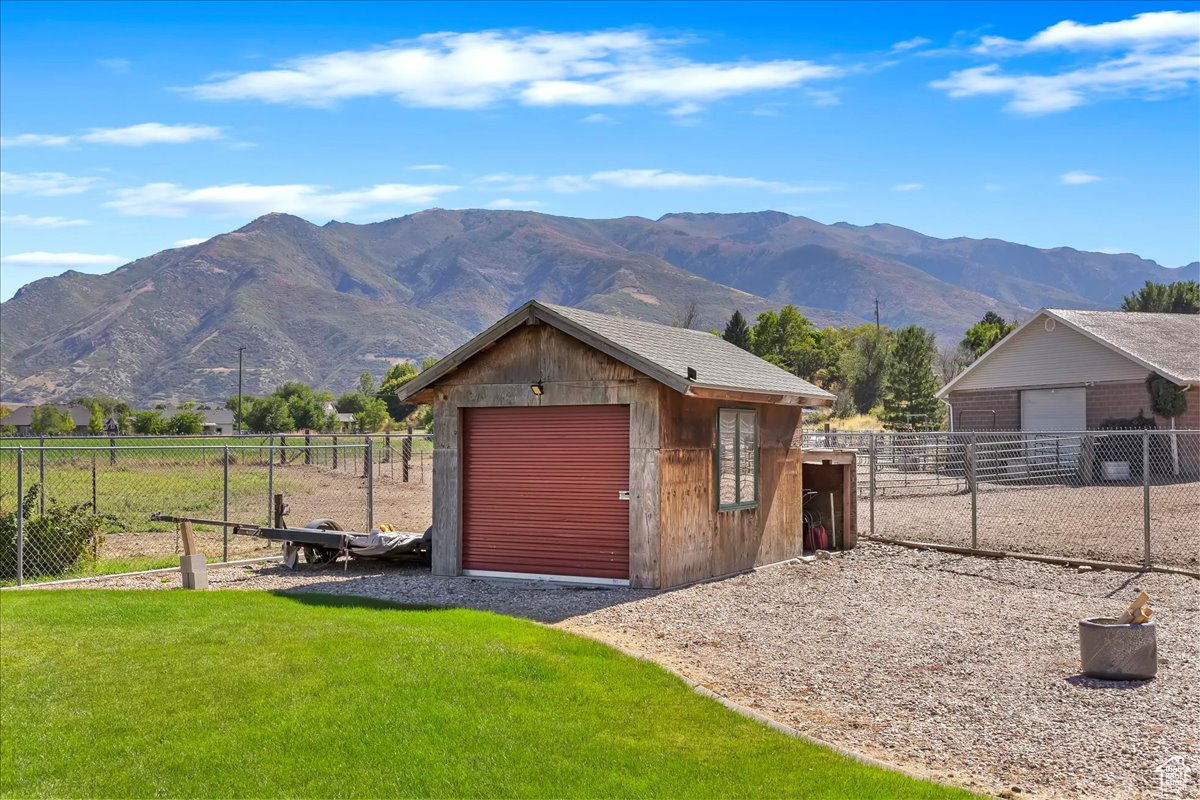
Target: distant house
column 22, row 418
column 1068, row 370
column 217, row 421
column 343, row 423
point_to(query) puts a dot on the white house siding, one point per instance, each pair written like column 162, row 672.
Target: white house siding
column 1059, row 357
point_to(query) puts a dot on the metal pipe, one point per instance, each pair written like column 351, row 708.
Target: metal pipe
column 270, row 480
column 225, row 506
column 370, row 485
column 20, row 515
column 1146, row 498
column 872, row 465
column 973, row 480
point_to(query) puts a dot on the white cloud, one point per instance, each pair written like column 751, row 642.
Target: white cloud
column 1077, row 178
column 130, row 136
column 49, row 184
column 568, row 184
column 599, row 119
column 244, row 199
column 35, row 140
column 661, row 179
column 910, row 44
column 429, row 167
column 1147, row 29
column 117, row 66
column 1157, row 54
column 908, row 187
column 151, row 133
column 27, row 221
column 636, row 179
column 473, row 70
column 41, row 258
column 509, row 203
column 1149, row 75
column 685, row 109
column 190, row 242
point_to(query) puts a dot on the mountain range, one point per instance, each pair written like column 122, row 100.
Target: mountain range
column 323, row 303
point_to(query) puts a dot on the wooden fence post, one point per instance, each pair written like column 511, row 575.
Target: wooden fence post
column 282, row 450
column 307, row 448
column 112, row 450
column 335, row 451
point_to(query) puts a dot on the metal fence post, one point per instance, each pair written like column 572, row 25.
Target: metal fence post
column 225, row 506
column 20, row 515
column 42, row 476
column 972, row 476
column 95, row 508
column 270, row 482
column 1146, row 498
column 406, row 454
column 369, row 455
column 872, row 466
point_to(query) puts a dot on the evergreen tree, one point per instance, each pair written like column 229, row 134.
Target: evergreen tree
column 909, row 382
column 737, row 331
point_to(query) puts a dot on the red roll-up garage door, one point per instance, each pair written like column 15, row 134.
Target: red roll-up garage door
column 541, row 490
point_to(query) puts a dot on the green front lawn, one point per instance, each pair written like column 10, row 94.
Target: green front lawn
column 234, row 694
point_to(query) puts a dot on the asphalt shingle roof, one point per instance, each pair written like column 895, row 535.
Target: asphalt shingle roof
column 664, row 353
column 717, row 362
column 1169, row 343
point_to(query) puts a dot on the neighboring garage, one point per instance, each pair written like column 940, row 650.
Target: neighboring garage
column 579, row 446
column 1069, row 370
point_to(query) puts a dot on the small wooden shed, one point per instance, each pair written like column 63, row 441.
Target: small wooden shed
column 580, row 446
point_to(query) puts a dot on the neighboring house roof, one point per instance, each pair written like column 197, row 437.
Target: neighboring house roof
column 1167, row 344
column 23, row 415
column 343, row 417
column 659, row 351
column 212, row 416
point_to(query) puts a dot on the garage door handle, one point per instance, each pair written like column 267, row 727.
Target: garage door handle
column 623, row 494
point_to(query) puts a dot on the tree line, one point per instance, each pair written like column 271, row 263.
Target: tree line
column 292, row 406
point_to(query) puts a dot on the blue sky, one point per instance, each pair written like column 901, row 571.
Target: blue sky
column 130, row 128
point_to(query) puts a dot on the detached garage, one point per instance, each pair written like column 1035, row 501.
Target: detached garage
column 583, row 447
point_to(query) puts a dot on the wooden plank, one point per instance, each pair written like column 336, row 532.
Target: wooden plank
column 189, row 538
column 644, row 524
column 447, row 506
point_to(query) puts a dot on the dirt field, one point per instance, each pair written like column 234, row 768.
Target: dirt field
column 1102, row 523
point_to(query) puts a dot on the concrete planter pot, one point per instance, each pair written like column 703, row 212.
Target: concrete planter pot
column 1116, row 652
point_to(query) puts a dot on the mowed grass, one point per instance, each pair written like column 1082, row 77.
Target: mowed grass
column 237, row 694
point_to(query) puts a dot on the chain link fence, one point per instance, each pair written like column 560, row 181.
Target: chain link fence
column 1126, row 497
column 80, row 510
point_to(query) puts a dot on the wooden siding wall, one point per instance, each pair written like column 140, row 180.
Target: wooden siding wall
column 572, row 374
column 697, row 541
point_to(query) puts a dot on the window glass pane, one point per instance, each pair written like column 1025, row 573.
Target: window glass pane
column 726, row 453
column 747, row 452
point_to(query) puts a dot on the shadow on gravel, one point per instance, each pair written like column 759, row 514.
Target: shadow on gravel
column 1084, row 682
column 410, row 585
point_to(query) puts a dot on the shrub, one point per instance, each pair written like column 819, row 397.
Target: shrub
column 55, row 542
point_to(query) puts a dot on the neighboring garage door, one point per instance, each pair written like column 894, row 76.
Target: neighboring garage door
column 1053, row 410
column 542, row 491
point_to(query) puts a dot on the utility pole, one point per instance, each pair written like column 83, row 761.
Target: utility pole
column 877, row 315
column 239, row 388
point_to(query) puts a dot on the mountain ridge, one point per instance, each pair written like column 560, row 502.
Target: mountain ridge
column 327, row 301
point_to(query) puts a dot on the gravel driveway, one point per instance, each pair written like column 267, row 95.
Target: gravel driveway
column 964, row 669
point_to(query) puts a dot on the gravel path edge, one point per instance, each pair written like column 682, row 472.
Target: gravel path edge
column 759, row 717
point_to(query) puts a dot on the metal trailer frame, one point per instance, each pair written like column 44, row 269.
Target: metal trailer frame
column 322, row 540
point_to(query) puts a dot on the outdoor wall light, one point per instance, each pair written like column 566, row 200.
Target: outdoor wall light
column 537, row 389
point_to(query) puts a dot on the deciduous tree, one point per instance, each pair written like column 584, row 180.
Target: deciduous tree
column 1179, row 297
